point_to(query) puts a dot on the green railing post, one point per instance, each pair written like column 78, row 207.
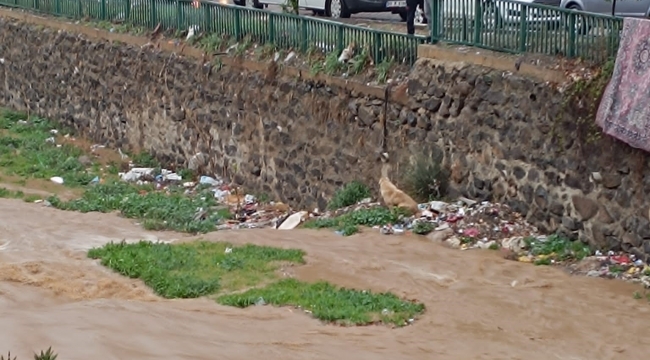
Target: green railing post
column 435, row 20
column 127, row 10
column 178, row 14
column 153, row 14
column 571, row 51
column 103, row 10
column 339, row 38
column 35, row 5
column 80, row 8
column 207, row 17
column 303, row 35
column 523, row 28
column 478, row 21
column 271, row 29
column 57, row 6
column 376, row 37
column 238, row 24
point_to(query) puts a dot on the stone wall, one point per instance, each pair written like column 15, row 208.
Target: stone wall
column 506, row 138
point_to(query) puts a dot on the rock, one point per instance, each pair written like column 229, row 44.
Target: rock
column 441, row 235
column 585, row 207
column 197, row 161
column 85, row 160
column 611, row 181
column 569, row 223
column 515, row 244
column 453, row 242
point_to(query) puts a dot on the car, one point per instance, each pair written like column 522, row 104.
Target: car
column 627, row 8
column 498, row 14
column 336, row 8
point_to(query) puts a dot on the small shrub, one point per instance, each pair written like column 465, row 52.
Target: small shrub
column 426, row 178
column 423, row 227
column 47, row 355
column 350, row 194
column 8, row 357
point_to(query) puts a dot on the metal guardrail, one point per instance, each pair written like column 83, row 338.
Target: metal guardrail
column 501, row 25
column 517, row 27
column 285, row 31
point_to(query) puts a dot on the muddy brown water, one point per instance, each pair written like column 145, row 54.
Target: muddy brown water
column 51, row 294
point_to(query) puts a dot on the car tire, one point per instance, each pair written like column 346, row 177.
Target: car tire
column 581, row 27
column 337, row 9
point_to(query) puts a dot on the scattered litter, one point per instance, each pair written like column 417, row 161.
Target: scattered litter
column 207, row 180
column 57, row 179
column 228, row 250
column 260, row 302
column 292, row 221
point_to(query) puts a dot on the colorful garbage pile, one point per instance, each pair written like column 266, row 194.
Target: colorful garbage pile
column 613, row 265
column 247, row 212
column 468, row 223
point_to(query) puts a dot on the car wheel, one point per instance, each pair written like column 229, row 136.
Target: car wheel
column 336, row 9
column 581, row 27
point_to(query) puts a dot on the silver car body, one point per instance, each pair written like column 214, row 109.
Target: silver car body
column 624, row 8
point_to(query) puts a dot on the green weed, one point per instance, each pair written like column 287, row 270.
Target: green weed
column 423, row 227
column 347, row 224
column 197, row 213
column 329, row 303
column 494, row 246
column 350, row 194
column 426, row 178
column 27, row 150
column 557, row 247
column 144, row 159
column 47, row 355
column 194, row 269
column 11, row 194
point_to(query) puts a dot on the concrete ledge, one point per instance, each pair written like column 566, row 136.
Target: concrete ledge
column 492, row 59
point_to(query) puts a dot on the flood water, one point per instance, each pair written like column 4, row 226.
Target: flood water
column 480, row 306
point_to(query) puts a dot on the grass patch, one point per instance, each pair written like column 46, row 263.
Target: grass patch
column 331, row 304
column 556, row 248
column 347, row 224
column 194, row 269
column 17, row 194
column 170, row 210
column 350, row 194
column 27, row 150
